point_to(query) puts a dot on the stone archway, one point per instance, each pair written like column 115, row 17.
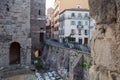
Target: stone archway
column 14, row 54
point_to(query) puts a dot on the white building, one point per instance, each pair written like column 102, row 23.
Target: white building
column 74, row 23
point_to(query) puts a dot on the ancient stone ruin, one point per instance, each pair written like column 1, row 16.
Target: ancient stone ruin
column 15, row 42
column 105, row 42
column 22, row 25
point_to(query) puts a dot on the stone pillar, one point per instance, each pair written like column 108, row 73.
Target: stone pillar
column 105, row 43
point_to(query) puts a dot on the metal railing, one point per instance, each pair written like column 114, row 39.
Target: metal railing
column 77, row 18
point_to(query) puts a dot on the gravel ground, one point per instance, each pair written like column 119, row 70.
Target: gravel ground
column 37, row 76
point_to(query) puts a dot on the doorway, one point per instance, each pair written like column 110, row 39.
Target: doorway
column 14, row 53
column 86, row 41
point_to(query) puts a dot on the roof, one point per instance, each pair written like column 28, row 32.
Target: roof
column 74, row 9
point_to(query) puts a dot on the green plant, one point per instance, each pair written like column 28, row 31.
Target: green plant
column 86, row 64
column 75, row 55
column 50, row 46
column 38, row 66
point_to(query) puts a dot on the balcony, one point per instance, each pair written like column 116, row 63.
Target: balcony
column 80, row 27
column 91, row 27
column 72, row 32
column 75, row 18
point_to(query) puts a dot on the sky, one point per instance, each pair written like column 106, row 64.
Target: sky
column 49, row 3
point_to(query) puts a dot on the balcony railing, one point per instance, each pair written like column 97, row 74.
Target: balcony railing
column 91, row 27
column 72, row 33
column 80, row 26
column 77, row 18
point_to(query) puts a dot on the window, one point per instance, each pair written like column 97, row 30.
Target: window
column 39, row 12
column 7, row 7
column 73, row 15
column 72, row 31
column 62, row 31
column 73, row 39
column 79, row 32
column 85, row 40
column 79, row 23
column 86, row 23
column 78, row 6
column 79, row 15
column 86, row 16
column 62, row 23
column 80, row 41
column 41, row 37
column 86, row 32
column 73, row 23
column 62, row 17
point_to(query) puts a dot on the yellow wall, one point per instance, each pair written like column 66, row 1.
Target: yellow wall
column 66, row 4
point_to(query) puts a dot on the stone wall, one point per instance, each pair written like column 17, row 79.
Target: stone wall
column 105, row 42
column 37, row 22
column 68, row 62
column 15, row 27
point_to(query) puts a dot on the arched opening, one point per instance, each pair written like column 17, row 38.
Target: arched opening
column 14, row 55
column 37, row 53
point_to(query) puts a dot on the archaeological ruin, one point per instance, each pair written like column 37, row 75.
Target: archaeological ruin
column 21, row 29
column 37, row 23
column 15, row 40
column 22, row 33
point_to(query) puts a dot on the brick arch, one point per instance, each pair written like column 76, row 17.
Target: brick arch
column 14, row 54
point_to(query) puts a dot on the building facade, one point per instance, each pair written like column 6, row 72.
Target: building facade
column 56, row 19
column 61, row 5
column 48, row 23
column 74, row 23
column 37, row 23
column 49, row 12
column 15, row 40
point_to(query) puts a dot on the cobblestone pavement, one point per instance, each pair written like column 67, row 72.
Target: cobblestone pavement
column 37, row 76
